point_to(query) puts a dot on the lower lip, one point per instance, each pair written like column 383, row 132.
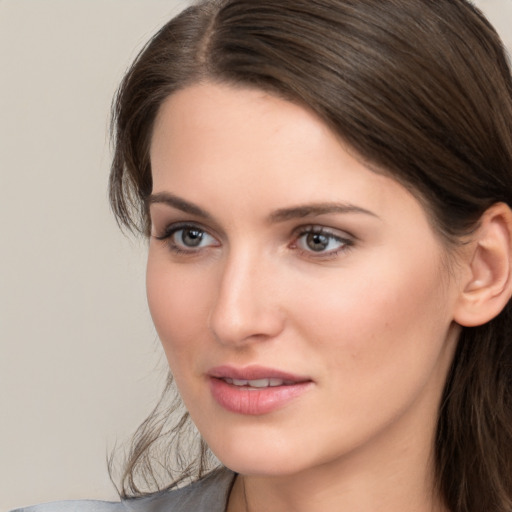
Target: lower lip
column 254, row 401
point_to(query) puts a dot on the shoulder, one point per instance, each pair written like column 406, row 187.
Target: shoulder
column 74, row 506
column 209, row 494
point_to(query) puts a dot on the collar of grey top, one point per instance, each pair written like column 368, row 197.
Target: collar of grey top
column 210, row 494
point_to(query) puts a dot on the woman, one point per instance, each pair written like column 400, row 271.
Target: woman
column 325, row 188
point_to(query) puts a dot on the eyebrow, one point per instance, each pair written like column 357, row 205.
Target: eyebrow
column 315, row 209
column 281, row 215
column 178, row 203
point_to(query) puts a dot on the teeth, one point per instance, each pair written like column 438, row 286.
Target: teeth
column 257, row 383
column 260, row 383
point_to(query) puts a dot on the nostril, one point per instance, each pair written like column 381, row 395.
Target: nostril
column 255, row 323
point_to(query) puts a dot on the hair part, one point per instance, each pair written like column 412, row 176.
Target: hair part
column 421, row 91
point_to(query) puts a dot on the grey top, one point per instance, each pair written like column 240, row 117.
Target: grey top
column 207, row 495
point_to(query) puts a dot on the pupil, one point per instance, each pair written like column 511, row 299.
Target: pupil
column 317, row 242
column 192, row 237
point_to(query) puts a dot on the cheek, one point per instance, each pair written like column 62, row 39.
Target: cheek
column 378, row 335
column 177, row 302
column 386, row 319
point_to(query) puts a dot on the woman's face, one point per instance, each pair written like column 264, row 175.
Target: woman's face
column 303, row 301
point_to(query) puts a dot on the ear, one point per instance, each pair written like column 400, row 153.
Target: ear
column 487, row 285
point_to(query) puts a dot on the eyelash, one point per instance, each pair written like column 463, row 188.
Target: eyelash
column 171, row 230
column 346, row 243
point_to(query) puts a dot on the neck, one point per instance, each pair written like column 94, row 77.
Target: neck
column 384, row 476
column 386, row 489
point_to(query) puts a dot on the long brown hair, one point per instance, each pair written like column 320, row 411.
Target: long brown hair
column 420, row 89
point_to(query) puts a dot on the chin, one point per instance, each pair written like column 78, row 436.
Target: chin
column 261, row 465
column 254, row 455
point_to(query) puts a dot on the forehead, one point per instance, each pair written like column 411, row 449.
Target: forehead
column 246, row 116
column 209, row 128
column 216, row 145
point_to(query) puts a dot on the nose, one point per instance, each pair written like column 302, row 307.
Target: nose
column 246, row 308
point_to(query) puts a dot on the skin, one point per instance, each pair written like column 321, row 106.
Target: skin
column 369, row 320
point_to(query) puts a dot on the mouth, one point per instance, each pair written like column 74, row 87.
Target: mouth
column 258, row 383
column 255, row 374
column 255, row 390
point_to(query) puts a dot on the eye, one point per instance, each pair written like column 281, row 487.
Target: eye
column 187, row 238
column 321, row 241
column 190, row 237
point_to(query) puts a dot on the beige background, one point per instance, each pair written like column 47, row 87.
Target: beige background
column 80, row 365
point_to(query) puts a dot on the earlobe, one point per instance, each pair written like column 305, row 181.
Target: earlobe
column 488, row 284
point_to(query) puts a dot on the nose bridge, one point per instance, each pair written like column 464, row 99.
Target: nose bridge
column 243, row 309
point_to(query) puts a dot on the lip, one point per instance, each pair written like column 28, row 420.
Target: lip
column 255, row 401
column 254, row 372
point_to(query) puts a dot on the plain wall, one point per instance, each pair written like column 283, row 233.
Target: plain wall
column 80, row 364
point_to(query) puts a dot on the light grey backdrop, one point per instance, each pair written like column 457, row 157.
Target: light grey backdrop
column 80, row 364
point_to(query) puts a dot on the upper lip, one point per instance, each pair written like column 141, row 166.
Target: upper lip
column 254, row 372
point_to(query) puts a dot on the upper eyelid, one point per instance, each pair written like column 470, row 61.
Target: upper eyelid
column 170, row 228
column 319, row 228
column 161, row 214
